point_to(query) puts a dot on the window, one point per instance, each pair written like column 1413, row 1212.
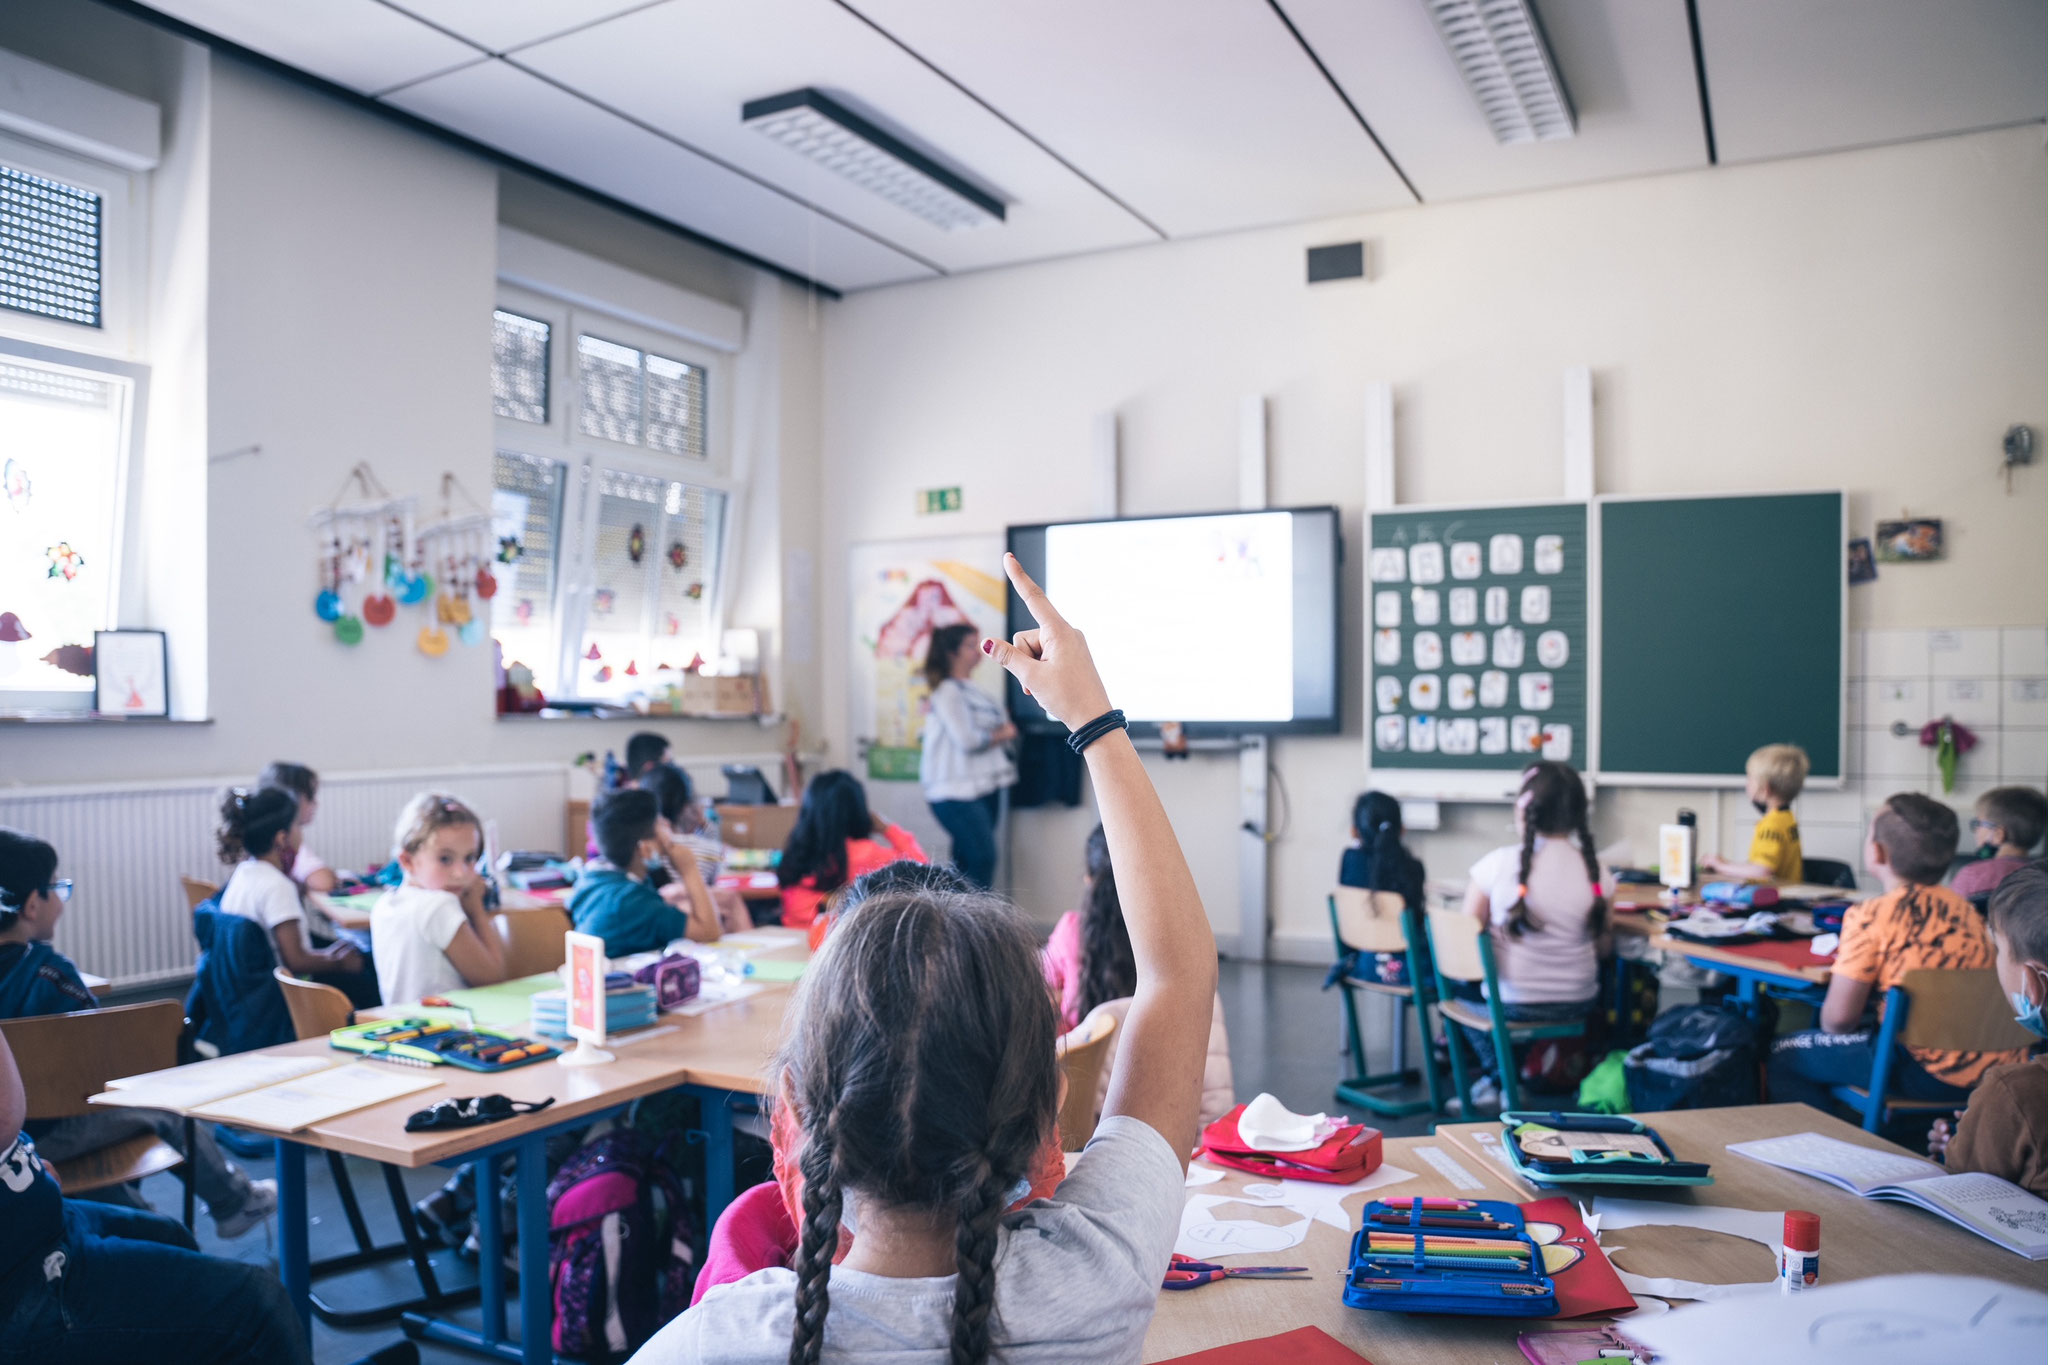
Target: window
column 49, row 248
column 640, row 399
column 519, row 367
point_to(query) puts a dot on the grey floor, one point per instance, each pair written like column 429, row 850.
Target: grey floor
column 1284, row 1034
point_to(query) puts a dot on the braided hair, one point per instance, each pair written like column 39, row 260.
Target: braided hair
column 920, row 1069
column 1553, row 804
column 1109, row 970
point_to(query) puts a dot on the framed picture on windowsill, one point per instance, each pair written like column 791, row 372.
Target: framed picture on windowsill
column 130, row 673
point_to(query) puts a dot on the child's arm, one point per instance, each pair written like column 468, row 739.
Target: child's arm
column 1842, row 1010
column 302, row 959
column 1478, row 904
column 698, row 910
column 1157, row 1077
column 1728, row 867
column 476, row 950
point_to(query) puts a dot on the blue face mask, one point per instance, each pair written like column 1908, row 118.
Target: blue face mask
column 2028, row 1014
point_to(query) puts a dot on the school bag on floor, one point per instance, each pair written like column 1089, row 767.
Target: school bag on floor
column 1697, row 1057
column 620, row 1257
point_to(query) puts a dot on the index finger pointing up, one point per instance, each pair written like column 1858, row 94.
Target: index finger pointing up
column 1035, row 601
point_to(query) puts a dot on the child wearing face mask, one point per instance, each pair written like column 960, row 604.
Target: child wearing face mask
column 2004, row 1132
column 433, row 933
column 1776, row 773
column 617, row 904
column 2008, row 823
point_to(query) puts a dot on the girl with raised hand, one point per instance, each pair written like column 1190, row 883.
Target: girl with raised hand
column 919, row 1065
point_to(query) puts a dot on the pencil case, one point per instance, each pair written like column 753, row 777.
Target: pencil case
column 1435, row 1278
column 428, row 1042
column 1585, row 1166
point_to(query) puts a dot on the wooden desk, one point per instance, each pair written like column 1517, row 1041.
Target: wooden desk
column 1808, row 983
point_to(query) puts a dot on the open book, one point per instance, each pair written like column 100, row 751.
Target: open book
column 1996, row 1210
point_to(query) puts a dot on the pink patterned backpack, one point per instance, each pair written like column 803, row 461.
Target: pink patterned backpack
column 620, row 1257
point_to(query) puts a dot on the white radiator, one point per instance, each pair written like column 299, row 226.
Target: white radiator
column 126, row 846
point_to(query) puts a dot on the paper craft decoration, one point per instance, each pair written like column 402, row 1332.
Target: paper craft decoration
column 1389, row 566
column 1429, row 650
column 1557, row 743
column 349, row 629
column 1496, row 606
column 1587, row 1285
column 1422, row 734
column 1553, row 647
column 1465, row 559
column 1493, row 735
column 1507, row 647
column 1387, row 692
column 1390, row 734
column 15, row 481
column 1493, row 688
column 1535, row 691
column 1386, row 647
column 130, row 673
column 1426, row 562
column 1459, row 736
column 1524, row 734
column 1504, row 554
column 1904, row 542
column 1464, row 606
column 1425, row 691
column 1386, row 609
column 1535, row 604
column 1460, row 692
column 1428, row 606
column 1468, row 648
column 65, row 562
column 1549, row 554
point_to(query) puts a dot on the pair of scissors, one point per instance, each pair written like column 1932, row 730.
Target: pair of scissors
column 1187, row 1273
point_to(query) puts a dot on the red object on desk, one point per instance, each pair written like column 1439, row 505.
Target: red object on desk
column 1351, row 1153
column 1590, row 1287
column 1784, row 952
column 1302, row 1346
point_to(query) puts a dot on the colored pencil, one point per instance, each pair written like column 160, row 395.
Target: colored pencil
column 1451, row 1249
column 1412, row 1202
column 1450, row 1262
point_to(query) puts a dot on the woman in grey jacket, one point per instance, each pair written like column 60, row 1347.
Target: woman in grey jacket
column 965, row 764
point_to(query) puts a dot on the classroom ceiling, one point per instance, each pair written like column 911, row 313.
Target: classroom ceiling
column 1109, row 123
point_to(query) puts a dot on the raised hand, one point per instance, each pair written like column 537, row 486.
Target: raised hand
column 1052, row 661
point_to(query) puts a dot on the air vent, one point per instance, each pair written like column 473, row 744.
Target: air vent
column 1500, row 51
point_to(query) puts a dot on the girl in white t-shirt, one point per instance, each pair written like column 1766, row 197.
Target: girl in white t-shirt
column 259, row 834
column 432, row 933
column 1542, row 901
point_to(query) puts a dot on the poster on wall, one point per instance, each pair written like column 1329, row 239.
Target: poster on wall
column 901, row 592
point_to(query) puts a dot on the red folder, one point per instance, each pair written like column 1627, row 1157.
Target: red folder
column 1590, row 1287
column 1351, row 1153
column 1302, row 1346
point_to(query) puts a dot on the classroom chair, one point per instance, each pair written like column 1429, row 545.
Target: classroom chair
column 1380, row 922
column 1462, row 951
column 533, row 940
column 1827, row 872
column 1962, row 1010
column 64, row 1058
column 198, row 892
column 1219, row 1086
column 1081, row 1053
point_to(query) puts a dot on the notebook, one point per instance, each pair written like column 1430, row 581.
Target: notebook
column 1996, row 1210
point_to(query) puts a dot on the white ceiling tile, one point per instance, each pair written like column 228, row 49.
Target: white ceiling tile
column 361, row 44
column 1626, row 64
column 502, row 25
column 530, row 119
column 1791, row 77
column 1204, row 115
column 687, row 67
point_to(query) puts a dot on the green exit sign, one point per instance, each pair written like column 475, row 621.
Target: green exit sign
column 930, row 500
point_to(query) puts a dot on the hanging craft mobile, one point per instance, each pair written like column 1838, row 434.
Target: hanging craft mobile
column 677, row 555
column 509, row 549
column 636, row 543
column 454, row 547
column 360, row 543
column 349, row 630
column 486, row 584
column 14, row 478
column 433, row 641
column 65, row 562
column 379, row 609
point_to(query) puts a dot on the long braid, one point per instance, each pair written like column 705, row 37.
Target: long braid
column 974, row 1249
column 1109, row 968
column 1519, row 917
column 1596, row 921
column 823, row 1203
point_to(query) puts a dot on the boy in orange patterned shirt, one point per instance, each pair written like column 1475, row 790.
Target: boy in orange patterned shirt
column 1916, row 923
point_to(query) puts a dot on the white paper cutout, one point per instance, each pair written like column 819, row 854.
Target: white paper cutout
column 1389, row 734
column 1459, row 736
column 1557, row 743
column 1762, row 1227
column 1535, row 604
column 1422, row 734
column 1425, row 691
column 1387, row 692
column 1205, row 1236
column 1460, row 693
column 1496, row 606
column 1428, row 605
column 1493, row 734
column 1507, row 647
column 1504, row 554
column 1493, row 688
column 1553, row 648
column 1429, row 649
column 1884, row 1320
column 1665, row 1286
column 1386, row 609
column 1523, row 733
column 1549, row 555
column 1535, row 691
column 1468, row 648
column 1466, row 559
column 1389, row 566
column 1464, row 606
column 1199, row 1175
column 1386, row 648
column 1426, row 562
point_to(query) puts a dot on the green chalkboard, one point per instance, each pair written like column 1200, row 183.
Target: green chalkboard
column 1477, row 637
column 1721, row 629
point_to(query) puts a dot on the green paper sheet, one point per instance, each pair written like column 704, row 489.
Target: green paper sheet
column 507, row 1005
column 777, row 971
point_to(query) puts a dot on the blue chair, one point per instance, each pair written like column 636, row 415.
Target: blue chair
column 1365, row 922
column 1955, row 1009
column 1463, row 953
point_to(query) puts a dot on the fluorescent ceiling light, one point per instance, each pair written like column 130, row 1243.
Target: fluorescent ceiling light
column 840, row 140
column 1499, row 48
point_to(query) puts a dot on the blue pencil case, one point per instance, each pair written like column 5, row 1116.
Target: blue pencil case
column 1594, row 1149
column 1429, row 1279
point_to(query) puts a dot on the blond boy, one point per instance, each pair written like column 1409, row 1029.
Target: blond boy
column 1776, row 773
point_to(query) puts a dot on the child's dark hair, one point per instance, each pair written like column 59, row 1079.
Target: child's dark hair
column 672, row 790
column 1377, row 818
column 835, row 809
column 621, row 820
column 920, row 1066
column 1919, row 836
column 2021, row 812
column 643, row 751
column 1109, row 971
column 252, row 820
column 296, row 778
column 2019, row 912
column 938, row 656
column 1556, row 808
column 904, row 875
column 26, row 866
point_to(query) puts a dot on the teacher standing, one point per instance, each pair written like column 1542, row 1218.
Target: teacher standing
column 965, row 764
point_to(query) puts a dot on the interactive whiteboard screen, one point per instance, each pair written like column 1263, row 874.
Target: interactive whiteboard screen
column 1224, row 622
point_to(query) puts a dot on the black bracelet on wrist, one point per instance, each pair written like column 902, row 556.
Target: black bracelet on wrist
column 1095, row 729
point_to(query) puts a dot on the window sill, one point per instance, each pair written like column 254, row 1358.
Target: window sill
column 624, row 713
column 90, row 718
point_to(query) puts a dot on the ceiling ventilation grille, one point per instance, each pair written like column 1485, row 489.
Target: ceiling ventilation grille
column 840, row 140
column 1499, row 48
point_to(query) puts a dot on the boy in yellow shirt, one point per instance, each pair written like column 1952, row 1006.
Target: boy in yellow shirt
column 1776, row 773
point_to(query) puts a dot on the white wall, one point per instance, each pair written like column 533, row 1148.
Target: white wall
column 1872, row 320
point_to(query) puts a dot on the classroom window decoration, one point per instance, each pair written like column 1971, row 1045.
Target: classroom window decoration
column 372, row 562
column 15, row 483
column 527, row 493
column 638, row 598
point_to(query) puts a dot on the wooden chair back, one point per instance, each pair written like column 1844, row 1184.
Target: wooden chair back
column 1962, row 1010
column 533, row 940
column 1454, row 944
column 1369, row 921
column 66, row 1057
column 197, row 891
column 1081, row 1053
column 316, row 1010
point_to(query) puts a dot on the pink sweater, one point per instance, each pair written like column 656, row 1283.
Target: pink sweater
column 1063, row 966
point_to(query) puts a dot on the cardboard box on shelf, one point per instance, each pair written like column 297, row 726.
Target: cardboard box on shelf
column 756, row 826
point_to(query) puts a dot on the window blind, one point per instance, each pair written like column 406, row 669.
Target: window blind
column 49, row 248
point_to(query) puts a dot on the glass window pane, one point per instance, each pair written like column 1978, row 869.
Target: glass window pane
column 691, row 532
column 526, row 520
column 610, row 376
column 49, row 248
column 519, row 367
column 675, row 407
column 629, row 512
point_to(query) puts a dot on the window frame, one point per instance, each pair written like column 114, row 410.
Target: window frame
column 123, row 252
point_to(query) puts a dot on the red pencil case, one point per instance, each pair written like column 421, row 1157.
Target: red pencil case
column 1351, row 1153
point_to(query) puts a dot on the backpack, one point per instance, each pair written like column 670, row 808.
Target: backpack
column 620, row 1256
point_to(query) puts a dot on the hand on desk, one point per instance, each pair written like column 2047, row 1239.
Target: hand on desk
column 1938, row 1136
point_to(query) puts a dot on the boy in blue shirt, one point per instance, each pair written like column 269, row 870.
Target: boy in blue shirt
column 616, row 903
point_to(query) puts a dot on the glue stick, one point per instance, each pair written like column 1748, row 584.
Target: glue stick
column 1799, row 1260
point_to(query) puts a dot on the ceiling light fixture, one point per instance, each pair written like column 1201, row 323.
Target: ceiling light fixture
column 1499, row 49
column 840, row 140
